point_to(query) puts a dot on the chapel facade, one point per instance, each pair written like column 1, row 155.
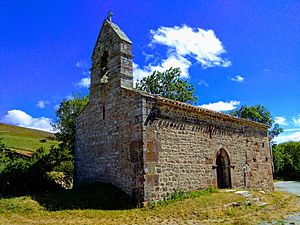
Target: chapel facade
column 150, row 146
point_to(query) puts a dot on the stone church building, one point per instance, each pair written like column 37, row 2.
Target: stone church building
column 149, row 146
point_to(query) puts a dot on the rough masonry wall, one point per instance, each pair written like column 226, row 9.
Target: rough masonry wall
column 109, row 149
column 109, row 142
column 182, row 147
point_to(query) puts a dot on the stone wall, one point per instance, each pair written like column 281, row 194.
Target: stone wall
column 109, row 139
column 182, row 146
column 110, row 149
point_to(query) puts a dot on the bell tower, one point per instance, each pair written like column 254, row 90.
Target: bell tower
column 111, row 60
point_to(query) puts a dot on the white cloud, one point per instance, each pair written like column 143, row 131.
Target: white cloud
column 42, row 104
column 183, row 44
column 203, row 82
column 292, row 129
column 84, row 82
column 221, row 106
column 238, row 79
column 172, row 61
column 284, row 137
column 138, row 73
column 280, row 120
column 81, row 64
column 297, row 120
column 203, row 45
column 22, row 119
column 148, row 56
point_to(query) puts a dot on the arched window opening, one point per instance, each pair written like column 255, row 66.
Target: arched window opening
column 223, row 169
column 104, row 62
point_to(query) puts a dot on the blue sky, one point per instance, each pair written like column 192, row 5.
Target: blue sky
column 234, row 52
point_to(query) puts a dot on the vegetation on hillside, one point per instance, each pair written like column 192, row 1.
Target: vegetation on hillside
column 25, row 140
column 47, row 168
column 35, row 174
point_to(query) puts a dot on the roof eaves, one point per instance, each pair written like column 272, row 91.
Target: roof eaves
column 197, row 109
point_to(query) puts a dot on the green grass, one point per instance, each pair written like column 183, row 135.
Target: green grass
column 104, row 204
column 25, row 140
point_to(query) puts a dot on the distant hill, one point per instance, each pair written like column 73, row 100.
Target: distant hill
column 25, row 140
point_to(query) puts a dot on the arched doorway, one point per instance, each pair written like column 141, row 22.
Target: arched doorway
column 223, row 169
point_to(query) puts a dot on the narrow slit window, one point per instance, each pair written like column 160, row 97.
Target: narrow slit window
column 103, row 112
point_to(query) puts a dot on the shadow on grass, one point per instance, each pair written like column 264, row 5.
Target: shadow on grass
column 92, row 196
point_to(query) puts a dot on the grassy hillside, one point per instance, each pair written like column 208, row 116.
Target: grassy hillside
column 25, row 140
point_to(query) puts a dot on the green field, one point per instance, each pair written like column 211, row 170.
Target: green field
column 25, row 140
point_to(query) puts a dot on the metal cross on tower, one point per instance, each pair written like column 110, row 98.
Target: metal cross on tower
column 109, row 16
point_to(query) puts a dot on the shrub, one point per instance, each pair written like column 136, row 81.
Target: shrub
column 20, row 176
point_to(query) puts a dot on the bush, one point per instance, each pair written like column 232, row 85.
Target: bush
column 19, row 176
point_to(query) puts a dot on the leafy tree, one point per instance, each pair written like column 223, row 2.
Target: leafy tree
column 168, row 84
column 287, row 160
column 275, row 130
column 67, row 113
column 258, row 113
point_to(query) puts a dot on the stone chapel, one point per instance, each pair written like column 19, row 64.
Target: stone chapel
column 149, row 146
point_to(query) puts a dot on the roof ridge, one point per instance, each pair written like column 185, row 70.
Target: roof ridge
column 118, row 31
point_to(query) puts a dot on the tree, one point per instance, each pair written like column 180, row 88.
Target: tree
column 258, row 113
column 287, row 160
column 65, row 124
column 168, row 84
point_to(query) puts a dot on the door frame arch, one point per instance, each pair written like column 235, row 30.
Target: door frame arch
column 223, row 172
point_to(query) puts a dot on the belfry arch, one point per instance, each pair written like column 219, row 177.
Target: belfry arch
column 104, row 62
column 223, row 169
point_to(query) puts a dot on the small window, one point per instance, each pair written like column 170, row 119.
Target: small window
column 103, row 112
